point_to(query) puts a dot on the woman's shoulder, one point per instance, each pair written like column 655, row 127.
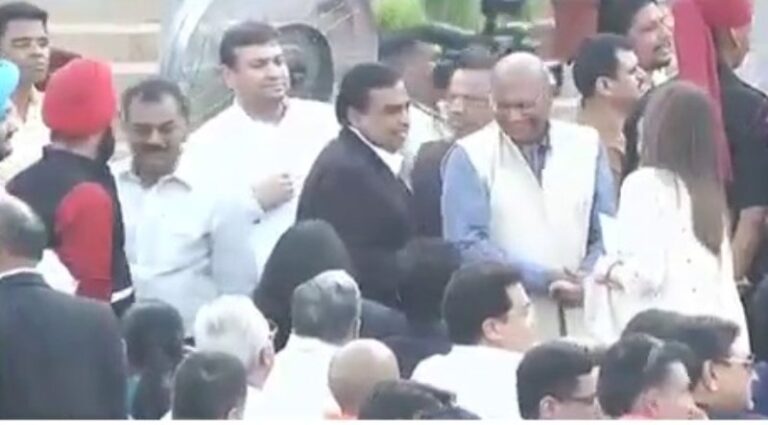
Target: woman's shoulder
column 650, row 178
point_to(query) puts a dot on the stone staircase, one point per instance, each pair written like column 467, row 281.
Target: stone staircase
column 123, row 32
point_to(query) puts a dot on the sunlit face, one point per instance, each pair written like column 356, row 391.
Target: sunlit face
column 522, row 107
column 629, row 84
column 155, row 132
column 651, row 36
column 25, row 43
column 514, row 330
column 733, row 377
column 260, row 73
column 385, row 121
column 468, row 101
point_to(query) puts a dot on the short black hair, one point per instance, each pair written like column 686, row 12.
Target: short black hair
column 709, row 338
column 21, row 11
column 394, row 48
column 661, row 324
column 426, row 267
column 477, row 292
column 403, row 400
column 632, row 365
column 247, row 33
column 617, row 16
column 208, row 385
column 153, row 90
column 357, row 85
column 598, row 57
column 22, row 233
column 550, row 369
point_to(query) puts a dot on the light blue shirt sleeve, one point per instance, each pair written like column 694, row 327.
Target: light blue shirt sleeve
column 603, row 202
column 466, row 215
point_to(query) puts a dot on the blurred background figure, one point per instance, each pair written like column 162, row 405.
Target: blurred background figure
column 209, row 386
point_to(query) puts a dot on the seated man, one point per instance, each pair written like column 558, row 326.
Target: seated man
column 527, row 191
column 209, row 385
column 643, row 378
column 325, row 314
column 558, row 380
column 489, row 321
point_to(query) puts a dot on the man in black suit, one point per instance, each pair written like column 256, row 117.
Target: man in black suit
column 355, row 183
column 61, row 357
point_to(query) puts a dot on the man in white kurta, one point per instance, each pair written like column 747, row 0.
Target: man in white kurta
column 527, row 190
column 260, row 149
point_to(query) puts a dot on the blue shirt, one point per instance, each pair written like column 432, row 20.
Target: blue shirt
column 466, row 214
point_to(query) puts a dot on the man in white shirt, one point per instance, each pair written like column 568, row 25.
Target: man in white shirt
column 233, row 325
column 184, row 243
column 489, row 319
column 325, row 315
column 24, row 41
column 260, row 149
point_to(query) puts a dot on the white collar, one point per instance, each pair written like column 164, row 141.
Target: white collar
column 124, row 171
column 393, row 161
column 19, row 270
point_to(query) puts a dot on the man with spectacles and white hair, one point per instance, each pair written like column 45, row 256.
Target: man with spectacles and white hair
column 232, row 324
column 325, row 313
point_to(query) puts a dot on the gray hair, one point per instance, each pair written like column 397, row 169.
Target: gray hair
column 327, row 307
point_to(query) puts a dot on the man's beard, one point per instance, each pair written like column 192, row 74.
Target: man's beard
column 106, row 147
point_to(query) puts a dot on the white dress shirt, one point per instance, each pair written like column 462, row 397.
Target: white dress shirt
column 393, row 161
column 184, row 243
column 484, row 379
column 236, row 152
column 297, row 386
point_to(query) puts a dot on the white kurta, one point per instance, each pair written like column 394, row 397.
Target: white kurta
column 663, row 264
column 484, row 379
column 235, row 152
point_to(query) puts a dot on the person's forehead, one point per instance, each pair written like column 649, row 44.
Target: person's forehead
column 627, row 58
column 524, row 88
column 259, row 51
column 25, row 28
column 586, row 384
column 518, row 296
column 648, row 14
column 142, row 111
column 389, row 96
column 677, row 375
column 475, row 78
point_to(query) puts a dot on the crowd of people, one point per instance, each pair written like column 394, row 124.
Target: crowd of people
column 434, row 245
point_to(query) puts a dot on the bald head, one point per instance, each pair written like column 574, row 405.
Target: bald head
column 22, row 234
column 521, row 65
column 356, row 369
column 522, row 97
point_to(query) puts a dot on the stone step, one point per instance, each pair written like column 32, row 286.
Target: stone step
column 118, row 11
column 116, row 42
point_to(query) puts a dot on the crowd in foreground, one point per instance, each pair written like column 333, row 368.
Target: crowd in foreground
column 435, row 245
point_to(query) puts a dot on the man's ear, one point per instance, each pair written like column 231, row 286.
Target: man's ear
column 548, row 407
column 709, row 376
column 603, row 86
column 228, row 75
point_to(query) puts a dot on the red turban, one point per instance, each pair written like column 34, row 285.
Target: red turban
column 80, row 99
column 697, row 56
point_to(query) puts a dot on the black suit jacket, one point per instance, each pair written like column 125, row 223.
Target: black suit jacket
column 371, row 209
column 61, row 357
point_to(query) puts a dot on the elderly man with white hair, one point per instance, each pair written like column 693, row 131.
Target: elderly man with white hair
column 325, row 313
column 232, row 324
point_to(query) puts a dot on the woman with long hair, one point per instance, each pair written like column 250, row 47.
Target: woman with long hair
column 670, row 247
column 154, row 338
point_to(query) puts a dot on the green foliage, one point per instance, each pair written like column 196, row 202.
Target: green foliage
column 461, row 13
column 392, row 15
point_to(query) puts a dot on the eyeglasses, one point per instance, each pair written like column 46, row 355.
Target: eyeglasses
column 586, row 400
column 748, row 362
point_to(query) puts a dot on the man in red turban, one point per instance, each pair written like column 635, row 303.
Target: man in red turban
column 71, row 188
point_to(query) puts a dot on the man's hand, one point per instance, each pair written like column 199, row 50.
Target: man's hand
column 274, row 191
column 567, row 292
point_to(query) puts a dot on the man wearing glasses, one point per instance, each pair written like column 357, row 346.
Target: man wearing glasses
column 527, row 190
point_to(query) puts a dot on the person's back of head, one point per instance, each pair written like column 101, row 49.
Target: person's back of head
column 305, row 250
column 661, row 324
column 356, row 369
column 556, row 380
column 485, row 303
column 641, row 376
column 154, row 338
column 233, row 325
column 403, row 400
column 209, row 385
column 327, row 307
column 23, row 236
column 426, row 267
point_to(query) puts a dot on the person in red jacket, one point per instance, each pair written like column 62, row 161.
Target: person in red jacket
column 72, row 188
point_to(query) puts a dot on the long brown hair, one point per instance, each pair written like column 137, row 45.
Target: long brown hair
column 679, row 136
